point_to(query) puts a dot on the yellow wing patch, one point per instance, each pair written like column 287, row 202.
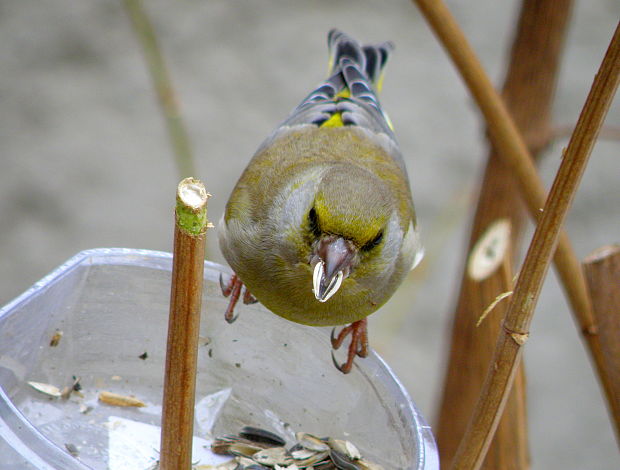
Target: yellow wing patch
column 379, row 83
column 334, row 121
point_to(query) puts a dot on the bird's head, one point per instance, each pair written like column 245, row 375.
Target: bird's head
column 348, row 226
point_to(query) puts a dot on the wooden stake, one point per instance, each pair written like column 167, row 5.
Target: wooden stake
column 502, row 371
column 528, row 92
column 602, row 270
column 177, row 424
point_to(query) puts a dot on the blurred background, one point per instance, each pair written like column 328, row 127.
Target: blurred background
column 85, row 161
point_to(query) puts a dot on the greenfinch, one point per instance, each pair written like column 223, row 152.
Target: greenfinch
column 321, row 227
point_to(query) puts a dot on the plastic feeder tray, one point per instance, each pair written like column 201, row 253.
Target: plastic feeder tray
column 108, row 309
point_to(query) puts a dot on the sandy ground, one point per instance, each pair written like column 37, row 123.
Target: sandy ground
column 85, row 161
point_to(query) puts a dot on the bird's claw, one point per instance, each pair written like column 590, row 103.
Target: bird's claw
column 232, row 289
column 226, row 288
column 340, row 367
column 357, row 347
column 248, row 298
column 230, row 316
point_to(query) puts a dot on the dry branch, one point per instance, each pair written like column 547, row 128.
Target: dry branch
column 473, row 447
column 163, row 86
column 512, row 150
column 528, row 93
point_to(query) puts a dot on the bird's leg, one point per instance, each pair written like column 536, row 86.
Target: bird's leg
column 233, row 290
column 358, row 346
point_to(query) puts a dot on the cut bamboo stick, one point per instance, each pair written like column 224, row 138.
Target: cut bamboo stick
column 602, row 271
column 183, row 326
column 502, row 371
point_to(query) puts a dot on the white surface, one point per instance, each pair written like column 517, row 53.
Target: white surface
column 134, row 445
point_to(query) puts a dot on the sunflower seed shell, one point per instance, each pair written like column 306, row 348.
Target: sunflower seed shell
column 310, row 442
column 366, row 465
column 342, row 461
column 47, row 389
column 344, row 447
column 262, row 435
column 273, row 456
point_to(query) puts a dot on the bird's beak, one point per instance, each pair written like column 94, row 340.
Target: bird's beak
column 334, row 264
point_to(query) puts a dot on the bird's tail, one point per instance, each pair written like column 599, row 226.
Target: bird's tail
column 348, row 97
column 370, row 59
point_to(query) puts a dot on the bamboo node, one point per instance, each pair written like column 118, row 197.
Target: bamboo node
column 520, row 338
column 590, row 330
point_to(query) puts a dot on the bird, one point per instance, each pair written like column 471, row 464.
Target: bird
column 321, row 226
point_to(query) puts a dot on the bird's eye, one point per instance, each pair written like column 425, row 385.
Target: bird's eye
column 313, row 222
column 374, row 242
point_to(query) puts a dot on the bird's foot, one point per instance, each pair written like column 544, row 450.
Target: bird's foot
column 357, row 347
column 232, row 289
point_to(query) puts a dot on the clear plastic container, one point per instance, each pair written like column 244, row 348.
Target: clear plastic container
column 108, row 307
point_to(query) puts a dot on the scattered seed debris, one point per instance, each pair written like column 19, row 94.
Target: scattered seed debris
column 77, row 387
column 74, row 387
column 72, row 449
column 345, row 448
column 85, row 409
column 258, row 449
column 66, row 392
column 115, row 399
column 56, row 337
column 262, row 436
column 47, row 389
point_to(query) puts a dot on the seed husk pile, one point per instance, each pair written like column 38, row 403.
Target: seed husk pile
column 258, row 449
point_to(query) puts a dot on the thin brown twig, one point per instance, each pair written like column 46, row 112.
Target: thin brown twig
column 163, row 87
column 528, row 91
column 565, row 131
column 511, row 148
column 177, row 423
column 472, row 449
